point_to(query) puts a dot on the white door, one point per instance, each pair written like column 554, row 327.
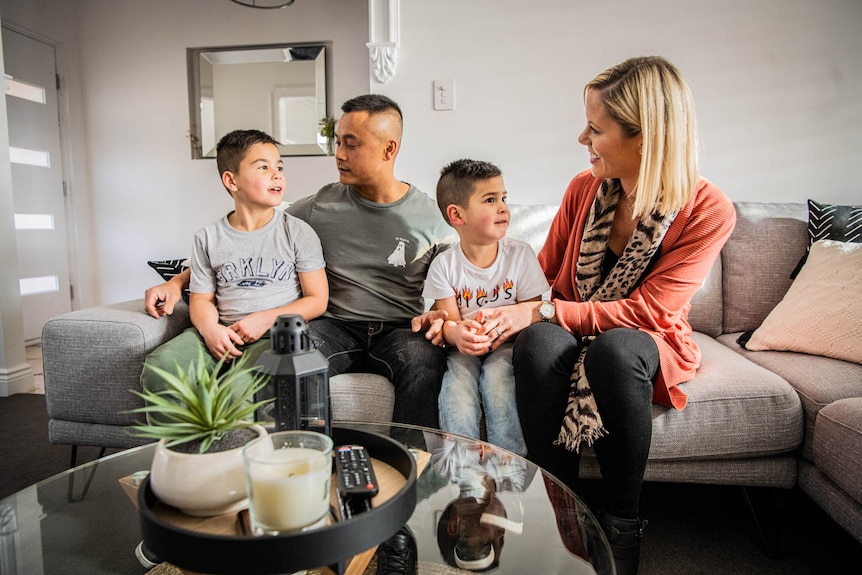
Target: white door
column 37, row 180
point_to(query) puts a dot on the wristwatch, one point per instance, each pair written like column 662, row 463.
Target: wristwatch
column 547, row 311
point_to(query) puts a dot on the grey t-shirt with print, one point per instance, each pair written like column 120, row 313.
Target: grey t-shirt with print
column 377, row 255
column 253, row 271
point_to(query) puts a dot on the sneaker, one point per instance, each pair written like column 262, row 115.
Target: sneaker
column 397, row 555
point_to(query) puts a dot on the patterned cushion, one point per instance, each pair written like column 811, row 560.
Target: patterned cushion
column 831, row 222
column 168, row 269
column 821, row 314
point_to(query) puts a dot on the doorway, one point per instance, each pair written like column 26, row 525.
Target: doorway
column 39, row 198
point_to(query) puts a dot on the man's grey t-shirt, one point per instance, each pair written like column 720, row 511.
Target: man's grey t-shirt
column 253, row 271
column 377, row 255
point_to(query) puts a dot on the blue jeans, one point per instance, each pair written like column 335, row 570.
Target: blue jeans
column 413, row 364
column 472, row 385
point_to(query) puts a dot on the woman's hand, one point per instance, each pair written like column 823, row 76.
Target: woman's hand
column 503, row 322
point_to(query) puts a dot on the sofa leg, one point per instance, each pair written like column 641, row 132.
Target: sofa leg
column 70, row 495
column 765, row 508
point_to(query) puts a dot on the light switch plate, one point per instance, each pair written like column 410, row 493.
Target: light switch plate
column 444, row 94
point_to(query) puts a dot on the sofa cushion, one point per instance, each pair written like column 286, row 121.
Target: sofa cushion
column 170, row 268
column 838, row 444
column 821, row 313
column 831, row 222
column 735, row 409
column 531, row 223
column 817, row 380
column 756, row 267
column 707, row 311
column 361, row 397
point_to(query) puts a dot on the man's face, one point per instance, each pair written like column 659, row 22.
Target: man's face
column 364, row 147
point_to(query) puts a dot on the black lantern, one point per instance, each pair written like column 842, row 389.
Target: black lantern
column 300, row 378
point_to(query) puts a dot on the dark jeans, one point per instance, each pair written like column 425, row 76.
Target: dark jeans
column 407, row 359
column 621, row 365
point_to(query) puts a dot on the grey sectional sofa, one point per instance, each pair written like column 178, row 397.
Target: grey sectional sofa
column 769, row 419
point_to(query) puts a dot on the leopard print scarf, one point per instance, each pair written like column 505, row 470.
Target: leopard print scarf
column 582, row 422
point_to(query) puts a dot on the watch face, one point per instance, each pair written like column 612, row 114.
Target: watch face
column 546, row 310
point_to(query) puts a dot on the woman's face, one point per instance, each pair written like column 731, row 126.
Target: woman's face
column 612, row 153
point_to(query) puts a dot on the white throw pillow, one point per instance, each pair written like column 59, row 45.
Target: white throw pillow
column 821, row 313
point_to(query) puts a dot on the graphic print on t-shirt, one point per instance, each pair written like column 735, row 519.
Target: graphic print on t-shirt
column 398, row 258
column 483, row 296
column 253, row 272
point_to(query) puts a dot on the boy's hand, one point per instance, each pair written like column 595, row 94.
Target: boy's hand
column 431, row 322
column 222, row 340
column 252, row 327
column 469, row 337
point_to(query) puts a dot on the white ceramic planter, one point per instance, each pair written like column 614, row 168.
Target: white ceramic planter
column 201, row 484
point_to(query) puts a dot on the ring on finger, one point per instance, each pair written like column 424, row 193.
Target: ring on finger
column 498, row 332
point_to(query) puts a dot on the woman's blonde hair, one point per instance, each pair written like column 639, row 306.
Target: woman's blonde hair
column 648, row 96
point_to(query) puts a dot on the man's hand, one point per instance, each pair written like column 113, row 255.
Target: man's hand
column 431, row 322
column 160, row 300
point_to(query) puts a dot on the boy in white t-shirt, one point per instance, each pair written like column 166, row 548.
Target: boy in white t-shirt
column 484, row 270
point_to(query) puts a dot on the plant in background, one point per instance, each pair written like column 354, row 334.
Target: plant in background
column 202, row 405
column 327, row 130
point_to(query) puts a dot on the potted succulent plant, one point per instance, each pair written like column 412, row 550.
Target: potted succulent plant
column 202, row 419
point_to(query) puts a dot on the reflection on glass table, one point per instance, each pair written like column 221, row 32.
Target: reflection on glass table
column 479, row 508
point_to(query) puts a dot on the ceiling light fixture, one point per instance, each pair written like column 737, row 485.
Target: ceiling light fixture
column 264, row 4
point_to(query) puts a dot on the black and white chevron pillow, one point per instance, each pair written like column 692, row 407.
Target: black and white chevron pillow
column 831, row 222
column 168, row 269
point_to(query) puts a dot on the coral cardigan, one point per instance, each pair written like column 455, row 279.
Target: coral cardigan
column 659, row 305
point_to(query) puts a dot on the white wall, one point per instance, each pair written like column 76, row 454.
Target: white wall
column 777, row 84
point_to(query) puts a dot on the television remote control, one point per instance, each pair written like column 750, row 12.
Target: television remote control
column 354, row 472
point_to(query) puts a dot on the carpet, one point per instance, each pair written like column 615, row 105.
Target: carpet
column 26, row 455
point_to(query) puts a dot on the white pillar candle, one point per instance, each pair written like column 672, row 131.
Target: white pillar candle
column 289, row 488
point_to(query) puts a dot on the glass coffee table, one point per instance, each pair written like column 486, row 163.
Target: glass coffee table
column 479, row 508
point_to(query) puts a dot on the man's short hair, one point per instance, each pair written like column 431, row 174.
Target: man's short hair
column 233, row 147
column 373, row 104
column 458, row 182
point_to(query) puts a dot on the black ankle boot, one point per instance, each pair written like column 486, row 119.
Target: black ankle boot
column 625, row 536
column 397, row 555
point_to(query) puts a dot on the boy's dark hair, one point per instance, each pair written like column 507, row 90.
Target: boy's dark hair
column 373, row 104
column 231, row 149
column 458, row 181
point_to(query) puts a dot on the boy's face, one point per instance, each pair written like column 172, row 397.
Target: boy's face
column 260, row 179
column 486, row 216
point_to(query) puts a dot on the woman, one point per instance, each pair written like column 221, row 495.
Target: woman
column 633, row 240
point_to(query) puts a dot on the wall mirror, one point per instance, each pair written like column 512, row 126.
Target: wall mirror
column 280, row 89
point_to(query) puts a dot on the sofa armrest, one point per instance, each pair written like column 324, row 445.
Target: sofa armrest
column 93, row 357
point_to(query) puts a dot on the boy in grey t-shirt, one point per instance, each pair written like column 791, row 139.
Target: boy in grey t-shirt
column 247, row 268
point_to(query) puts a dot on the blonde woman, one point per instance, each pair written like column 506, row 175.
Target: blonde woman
column 633, row 240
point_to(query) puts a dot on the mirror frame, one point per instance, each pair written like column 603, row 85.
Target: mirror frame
column 194, row 92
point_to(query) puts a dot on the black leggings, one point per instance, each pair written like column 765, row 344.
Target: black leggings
column 621, row 365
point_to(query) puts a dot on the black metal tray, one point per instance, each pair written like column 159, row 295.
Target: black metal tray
column 330, row 545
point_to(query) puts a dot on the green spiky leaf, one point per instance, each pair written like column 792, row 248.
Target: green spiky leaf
column 201, row 404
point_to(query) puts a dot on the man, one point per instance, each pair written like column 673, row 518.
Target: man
column 379, row 235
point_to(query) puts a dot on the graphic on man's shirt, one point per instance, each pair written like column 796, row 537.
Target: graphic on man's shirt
column 398, row 258
column 254, row 272
column 481, row 299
